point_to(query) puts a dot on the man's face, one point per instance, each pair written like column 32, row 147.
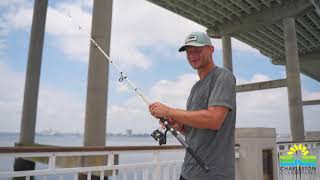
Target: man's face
column 199, row 57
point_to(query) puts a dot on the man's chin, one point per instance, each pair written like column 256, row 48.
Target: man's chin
column 196, row 67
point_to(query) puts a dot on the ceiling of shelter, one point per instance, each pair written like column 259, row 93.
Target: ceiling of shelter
column 259, row 24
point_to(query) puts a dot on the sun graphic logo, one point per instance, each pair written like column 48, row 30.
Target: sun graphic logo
column 296, row 148
column 297, row 160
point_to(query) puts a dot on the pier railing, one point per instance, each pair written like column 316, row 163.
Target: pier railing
column 161, row 165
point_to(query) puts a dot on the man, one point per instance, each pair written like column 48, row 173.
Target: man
column 209, row 121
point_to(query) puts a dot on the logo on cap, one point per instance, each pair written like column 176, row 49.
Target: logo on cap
column 191, row 38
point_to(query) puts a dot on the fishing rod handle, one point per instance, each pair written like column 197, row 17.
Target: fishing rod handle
column 183, row 142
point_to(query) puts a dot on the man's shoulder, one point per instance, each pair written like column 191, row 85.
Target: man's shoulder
column 225, row 73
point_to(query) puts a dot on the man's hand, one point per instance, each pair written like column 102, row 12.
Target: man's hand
column 176, row 125
column 159, row 110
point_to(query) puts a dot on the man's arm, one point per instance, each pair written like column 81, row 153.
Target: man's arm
column 211, row 118
column 221, row 101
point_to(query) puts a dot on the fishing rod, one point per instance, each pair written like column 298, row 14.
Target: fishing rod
column 157, row 134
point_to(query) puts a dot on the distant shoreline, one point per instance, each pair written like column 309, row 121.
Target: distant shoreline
column 78, row 134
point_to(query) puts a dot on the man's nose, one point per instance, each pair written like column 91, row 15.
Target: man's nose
column 193, row 56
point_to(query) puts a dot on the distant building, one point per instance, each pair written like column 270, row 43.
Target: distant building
column 129, row 132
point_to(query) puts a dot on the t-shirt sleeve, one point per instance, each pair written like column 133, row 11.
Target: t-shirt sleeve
column 223, row 92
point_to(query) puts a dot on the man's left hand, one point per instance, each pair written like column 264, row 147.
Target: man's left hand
column 159, row 110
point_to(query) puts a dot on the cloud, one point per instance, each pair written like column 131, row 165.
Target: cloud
column 2, row 47
column 14, row 14
column 20, row 19
column 69, row 25
column 11, row 93
column 121, row 87
column 133, row 30
column 240, row 46
column 3, row 27
column 269, row 108
column 60, row 110
column 55, row 107
column 255, row 78
column 66, row 36
column 133, row 114
column 265, row 108
column 174, row 92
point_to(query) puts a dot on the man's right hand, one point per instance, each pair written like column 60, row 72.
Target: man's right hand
column 176, row 125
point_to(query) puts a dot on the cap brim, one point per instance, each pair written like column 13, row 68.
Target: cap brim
column 184, row 47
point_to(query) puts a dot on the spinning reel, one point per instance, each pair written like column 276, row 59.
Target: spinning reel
column 160, row 135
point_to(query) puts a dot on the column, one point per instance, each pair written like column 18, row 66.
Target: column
column 31, row 89
column 293, row 80
column 30, row 102
column 227, row 52
column 97, row 89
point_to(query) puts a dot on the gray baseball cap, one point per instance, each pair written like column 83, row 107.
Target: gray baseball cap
column 197, row 39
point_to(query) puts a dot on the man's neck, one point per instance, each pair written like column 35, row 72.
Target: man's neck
column 203, row 72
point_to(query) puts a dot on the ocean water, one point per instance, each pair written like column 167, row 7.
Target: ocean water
column 9, row 139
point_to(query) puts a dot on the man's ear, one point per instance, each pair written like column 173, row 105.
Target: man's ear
column 211, row 48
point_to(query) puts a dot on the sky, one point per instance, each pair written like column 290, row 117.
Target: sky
column 144, row 43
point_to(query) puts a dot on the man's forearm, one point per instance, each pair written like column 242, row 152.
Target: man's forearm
column 198, row 119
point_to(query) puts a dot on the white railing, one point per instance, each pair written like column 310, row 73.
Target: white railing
column 305, row 172
column 156, row 169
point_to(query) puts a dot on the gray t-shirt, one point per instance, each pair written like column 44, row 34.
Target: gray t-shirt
column 215, row 147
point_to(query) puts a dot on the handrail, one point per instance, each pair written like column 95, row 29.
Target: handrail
column 26, row 149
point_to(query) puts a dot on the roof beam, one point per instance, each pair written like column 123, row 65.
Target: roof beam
column 223, row 4
column 311, row 102
column 275, row 32
column 242, row 6
column 269, row 35
column 185, row 13
column 301, row 41
column 245, row 39
column 254, row 4
column 314, row 19
column 266, row 3
column 279, row 1
column 265, row 17
column 203, row 10
column 262, row 85
column 302, row 33
column 217, row 10
column 311, row 56
column 306, row 25
column 316, row 4
column 262, row 42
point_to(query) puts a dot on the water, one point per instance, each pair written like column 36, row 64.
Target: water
column 8, row 140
